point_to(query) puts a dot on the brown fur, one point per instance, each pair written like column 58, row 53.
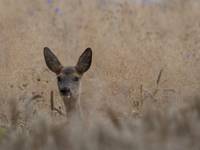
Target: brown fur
column 69, row 78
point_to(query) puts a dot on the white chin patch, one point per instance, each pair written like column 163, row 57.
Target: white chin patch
column 69, row 96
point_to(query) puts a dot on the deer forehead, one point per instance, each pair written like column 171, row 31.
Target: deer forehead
column 70, row 71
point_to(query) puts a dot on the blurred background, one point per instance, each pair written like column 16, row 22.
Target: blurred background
column 146, row 52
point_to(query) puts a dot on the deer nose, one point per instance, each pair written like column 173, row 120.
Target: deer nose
column 65, row 91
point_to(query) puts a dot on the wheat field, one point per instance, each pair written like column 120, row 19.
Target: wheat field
column 141, row 91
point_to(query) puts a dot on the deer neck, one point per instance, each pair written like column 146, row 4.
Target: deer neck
column 72, row 104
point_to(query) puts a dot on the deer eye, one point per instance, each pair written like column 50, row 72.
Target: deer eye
column 59, row 78
column 75, row 79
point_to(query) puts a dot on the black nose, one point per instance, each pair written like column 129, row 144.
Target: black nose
column 65, row 91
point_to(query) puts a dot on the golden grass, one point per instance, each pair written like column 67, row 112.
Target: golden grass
column 146, row 56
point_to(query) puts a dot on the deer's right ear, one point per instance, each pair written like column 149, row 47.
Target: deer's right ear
column 84, row 61
column 52, row 61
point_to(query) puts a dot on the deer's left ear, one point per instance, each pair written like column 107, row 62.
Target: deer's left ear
column 52, row 61
column 84, row 61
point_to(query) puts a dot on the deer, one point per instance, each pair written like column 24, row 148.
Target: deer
column 68, row 78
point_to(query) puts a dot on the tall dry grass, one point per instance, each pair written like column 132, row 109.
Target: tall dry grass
column 131, row 41
column 167, row 129
column 145, row 69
